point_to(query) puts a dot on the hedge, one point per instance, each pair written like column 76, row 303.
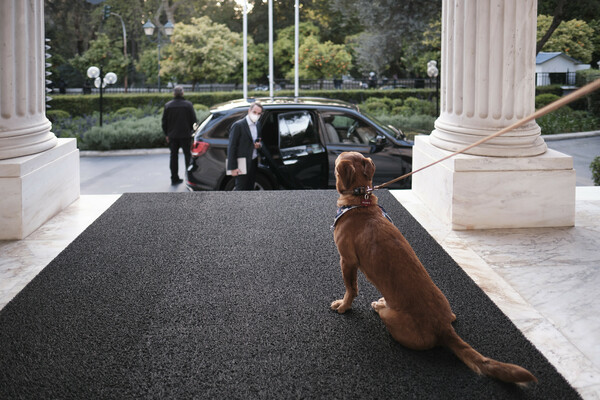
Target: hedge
column 593, row 100
column 79, row 105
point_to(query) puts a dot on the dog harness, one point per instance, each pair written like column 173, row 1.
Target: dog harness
column 344, row 209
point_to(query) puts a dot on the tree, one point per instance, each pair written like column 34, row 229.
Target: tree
column 283, row 47
column 390, row 28
column 202, row 51
column 561, row 11
column 102, row 53
column 148, row 65
column 321, row 60
column 573, row 37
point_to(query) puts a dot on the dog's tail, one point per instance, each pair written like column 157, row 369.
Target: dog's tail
column 483, row 365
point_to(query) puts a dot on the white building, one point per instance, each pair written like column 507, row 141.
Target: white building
column 556, row 68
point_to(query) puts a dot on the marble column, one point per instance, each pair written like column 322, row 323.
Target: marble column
column 487, row 84
column 39, row 174
column 24, row 128
column 487, row 77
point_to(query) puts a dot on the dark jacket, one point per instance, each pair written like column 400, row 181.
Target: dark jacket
column 240, row 143
column 178, row 118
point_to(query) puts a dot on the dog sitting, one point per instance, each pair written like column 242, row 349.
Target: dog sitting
column 414, row 310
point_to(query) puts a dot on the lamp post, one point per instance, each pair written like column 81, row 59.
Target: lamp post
column 100, row 81
column 107, row 12
column 433, row 72
column 149, row 31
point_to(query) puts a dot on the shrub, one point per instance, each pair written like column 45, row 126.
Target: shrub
column 409, row 123
column 55, row 115
column 595, row 168
column 418, row 106
column 126, row 134
column 542, row 100
column 200, row 107
column 375, row 107
column 126, row 111
column 593, row 99
column 565, row 120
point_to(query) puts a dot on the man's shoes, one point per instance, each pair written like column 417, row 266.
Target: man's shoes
column 176, row 181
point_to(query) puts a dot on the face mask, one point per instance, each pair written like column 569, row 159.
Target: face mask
column 254, row 117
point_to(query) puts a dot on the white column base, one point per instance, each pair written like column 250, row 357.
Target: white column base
column 37, row 187
column 474, row 192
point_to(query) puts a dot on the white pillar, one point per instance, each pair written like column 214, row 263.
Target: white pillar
column 487, row 84
column 487, row 79
column 24, row 128
column 39, row 174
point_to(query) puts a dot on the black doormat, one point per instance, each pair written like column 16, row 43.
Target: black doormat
column 226, row 295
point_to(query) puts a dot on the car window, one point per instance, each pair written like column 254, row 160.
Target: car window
column 345, row 128
column 218, row 126
column 296, row 129
column 297, row 135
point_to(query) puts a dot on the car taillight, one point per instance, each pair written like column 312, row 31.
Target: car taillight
column 199, row 148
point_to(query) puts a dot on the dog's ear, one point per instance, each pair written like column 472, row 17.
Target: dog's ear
column 345, row 170
column 369, row 168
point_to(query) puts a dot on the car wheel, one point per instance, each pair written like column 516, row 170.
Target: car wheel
column 262, row 183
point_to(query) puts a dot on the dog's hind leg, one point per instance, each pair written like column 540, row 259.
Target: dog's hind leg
column 403, row 328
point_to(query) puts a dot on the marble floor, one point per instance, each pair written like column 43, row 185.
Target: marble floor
column 545, row 280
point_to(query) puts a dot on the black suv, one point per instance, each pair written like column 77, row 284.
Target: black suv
column 301, row 139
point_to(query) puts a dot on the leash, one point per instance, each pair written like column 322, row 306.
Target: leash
column 584, row 90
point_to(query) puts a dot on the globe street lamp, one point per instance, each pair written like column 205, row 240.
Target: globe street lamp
column 101, row 81
column 433, row 72
column 149, row 31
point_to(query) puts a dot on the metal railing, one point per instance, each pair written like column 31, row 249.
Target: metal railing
column 555, row 78
column 305, row 84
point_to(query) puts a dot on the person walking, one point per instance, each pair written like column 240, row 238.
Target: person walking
column 178, row 121
column 244, row 142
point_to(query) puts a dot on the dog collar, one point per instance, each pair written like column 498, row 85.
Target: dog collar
column 360, row 191
column 344, row 209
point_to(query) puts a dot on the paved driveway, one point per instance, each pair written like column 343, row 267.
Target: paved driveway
column 129, row 173
column 583, row 151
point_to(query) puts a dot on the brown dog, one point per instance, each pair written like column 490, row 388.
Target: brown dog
column 415, row 311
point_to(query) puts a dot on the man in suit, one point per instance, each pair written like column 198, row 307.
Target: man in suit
column 178, row 121
column 244, row 141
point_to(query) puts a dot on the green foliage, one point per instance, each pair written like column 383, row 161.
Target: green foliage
column 565, row 120
column 54, row 115
column 202, row 51
column 322, row 60
column 102, row 53
column 148, row 64
column 592, row 100
column 140, row 127
column 126, row 111
column 79, row 105
column 409, row 124
column 405, row 107
column 283, row 47
column 554, row 89
column 542, row 100
column 573, row 37
column 595, row 168
column 126, row 134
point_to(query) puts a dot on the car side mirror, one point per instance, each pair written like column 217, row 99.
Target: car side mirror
column 378, row 143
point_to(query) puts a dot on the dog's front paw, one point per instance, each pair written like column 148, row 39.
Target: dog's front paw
column 338, row 305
